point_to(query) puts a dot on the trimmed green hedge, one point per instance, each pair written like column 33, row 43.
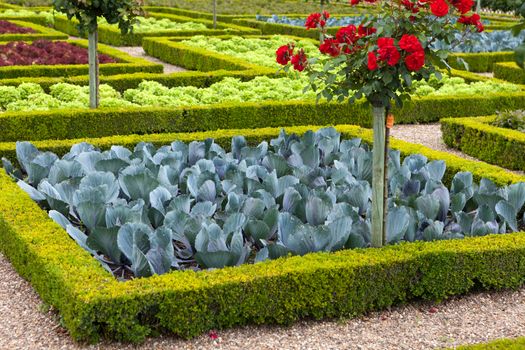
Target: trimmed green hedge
column 93, row 304
column 509, row 71
column 193, row 14
column 66, row 124
column 480, row 62
column 125, row 64
column 110, row 34
column 41, row 32
column 502, row 344
column 491, row 144
column 32, row 19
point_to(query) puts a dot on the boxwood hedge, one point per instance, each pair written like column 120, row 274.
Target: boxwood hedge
column 65, row 124
column 491, row 144
column 509, row 71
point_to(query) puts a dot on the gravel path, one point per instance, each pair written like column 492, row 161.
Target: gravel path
column 26, row 324
column 139, row 52
column 429, row 135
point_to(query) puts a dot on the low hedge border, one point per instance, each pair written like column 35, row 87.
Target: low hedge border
column 480, row 62
column 509, row 71
column 110, row 34
column 352, row 11
column 126, row 64
column 41, row 32
column 500, row 344
column 93, row 304
column 68, row 124
column 32, row 19
column 491, row 144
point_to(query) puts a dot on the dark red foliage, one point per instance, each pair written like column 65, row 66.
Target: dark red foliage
column 45, row 52
column 11, row 28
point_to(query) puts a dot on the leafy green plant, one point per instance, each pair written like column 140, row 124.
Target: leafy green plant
column 154, row 25
column 514, row 120
column 147, row 210
column 31, row 97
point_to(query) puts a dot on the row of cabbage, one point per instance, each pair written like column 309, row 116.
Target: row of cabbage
column 31, row 97
column 150, row 210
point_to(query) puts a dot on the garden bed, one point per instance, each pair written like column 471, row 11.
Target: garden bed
column 111, row 35
column 93, row 304
column 478, row 138
column 32, row 32
column 125, row 64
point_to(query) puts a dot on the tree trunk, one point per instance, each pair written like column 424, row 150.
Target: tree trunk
column 214, row 14
column 378, row 179
column 94, row 96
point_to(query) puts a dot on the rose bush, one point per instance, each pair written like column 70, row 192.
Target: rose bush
column 378, row 60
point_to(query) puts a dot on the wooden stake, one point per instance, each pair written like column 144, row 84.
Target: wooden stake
column 94, row 96
column 378, row 178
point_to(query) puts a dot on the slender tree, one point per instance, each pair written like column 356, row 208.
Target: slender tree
column 87, row 12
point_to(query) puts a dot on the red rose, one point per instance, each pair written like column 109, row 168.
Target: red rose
column 347, row 34
column 439, row 8
column 365, row 31
column 410, row 43
column 354, row 2
column 284, row 53
column 463, row 6
column 479, row 26
column 330, row 47
column 316, row 19
column 473, row 20
column 415, row 61
column 372, row 61
column 299, row 61
column 388, row 51
column 411, row 6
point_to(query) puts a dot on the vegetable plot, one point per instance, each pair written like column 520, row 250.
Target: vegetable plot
column 11, row 28
column 153, row 25
column 195, row 205
column 252, row 50
column 31, row 97
column 45, row 52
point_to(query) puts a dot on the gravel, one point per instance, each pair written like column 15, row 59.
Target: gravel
column 26, row 324
column 139, row 52
column 429, row 135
